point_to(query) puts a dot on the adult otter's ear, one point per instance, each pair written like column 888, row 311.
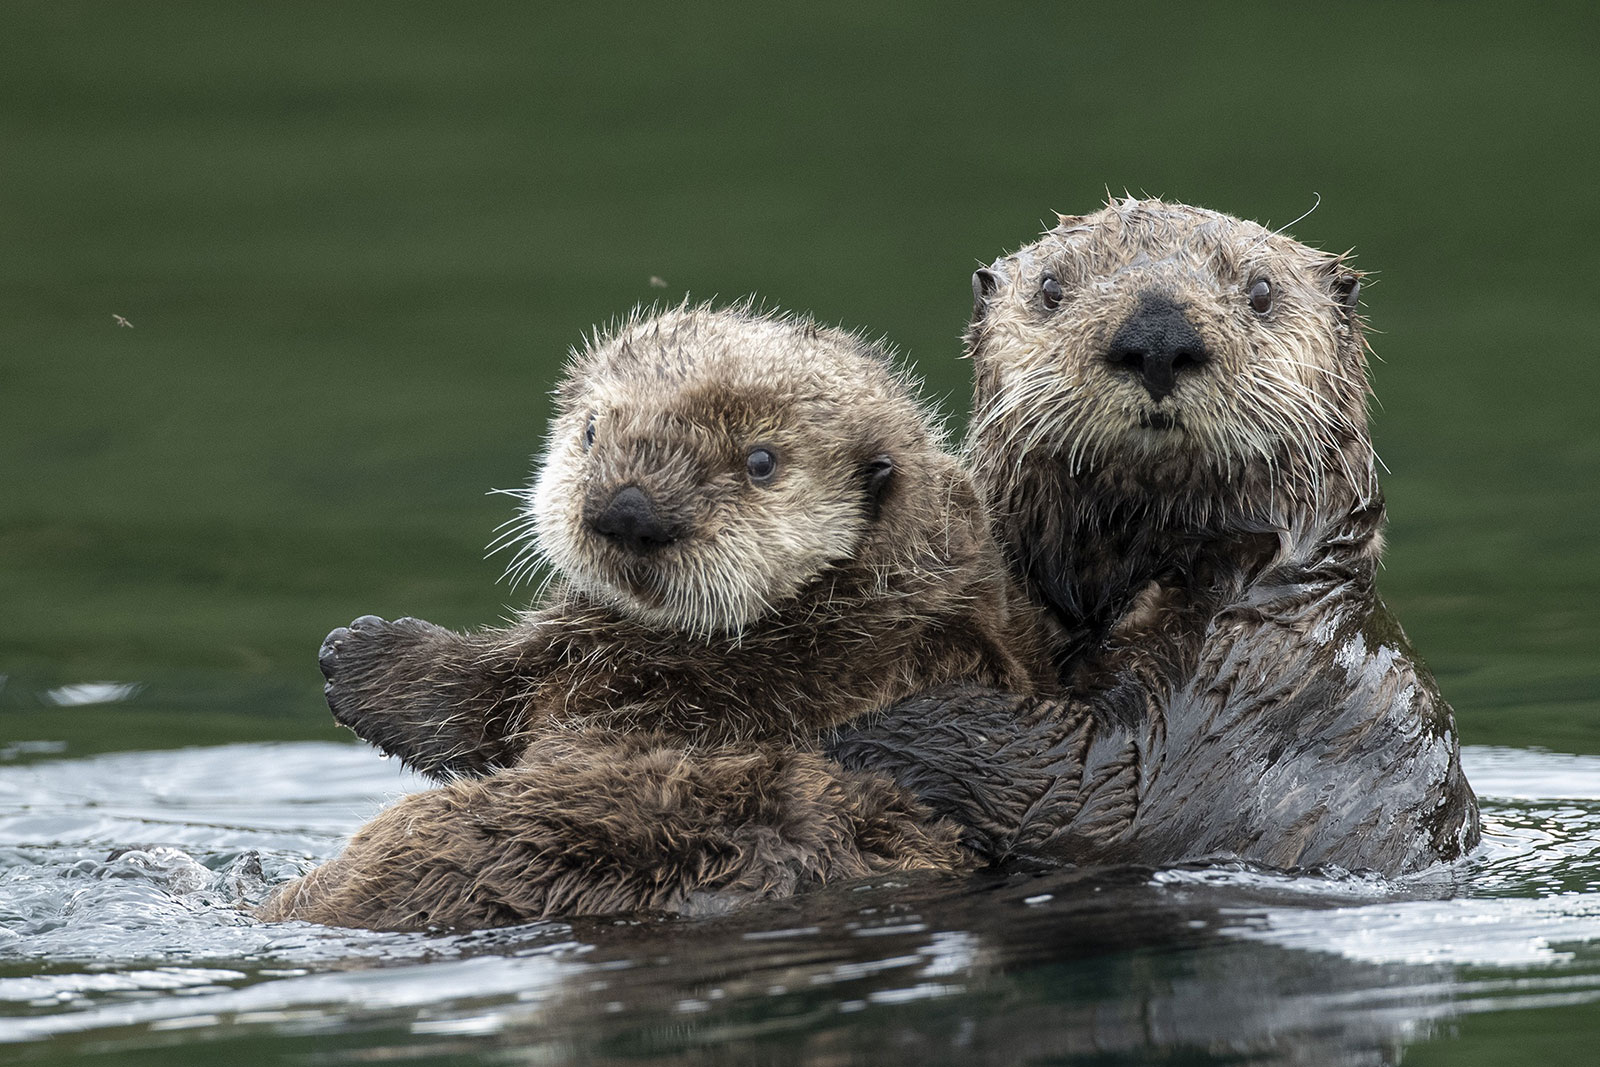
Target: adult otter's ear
column 985, row 283
column 1345, row 285
column 879, row 472
column 1347, row 289
column 988, row 282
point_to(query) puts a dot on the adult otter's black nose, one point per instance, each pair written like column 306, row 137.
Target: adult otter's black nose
column 1158, row 343
column 631, row 520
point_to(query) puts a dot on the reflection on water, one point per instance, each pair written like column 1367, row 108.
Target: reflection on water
column 80, row 693
column 122, row 878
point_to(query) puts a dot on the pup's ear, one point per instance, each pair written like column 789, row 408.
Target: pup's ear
column 879, row 473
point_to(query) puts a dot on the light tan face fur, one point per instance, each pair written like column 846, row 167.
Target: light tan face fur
column 676, row 404
column 1277, row 385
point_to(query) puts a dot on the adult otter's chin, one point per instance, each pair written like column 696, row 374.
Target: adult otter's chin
column 1170, row 430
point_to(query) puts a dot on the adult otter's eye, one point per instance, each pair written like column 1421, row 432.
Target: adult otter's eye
column 1261, row 296
column 588, row 433
column 761, row 465
column 1051, row 290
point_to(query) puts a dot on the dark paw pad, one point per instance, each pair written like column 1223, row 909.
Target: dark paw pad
column 364, row 666
column 375, row 667
column 346, row 639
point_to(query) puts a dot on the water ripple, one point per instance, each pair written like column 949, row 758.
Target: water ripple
column 125, row 882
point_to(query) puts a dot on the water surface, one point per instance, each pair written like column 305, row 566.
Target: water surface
column 123, row 876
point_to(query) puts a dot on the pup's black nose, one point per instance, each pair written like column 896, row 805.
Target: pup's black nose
column 631, row 520
column 1158, row 342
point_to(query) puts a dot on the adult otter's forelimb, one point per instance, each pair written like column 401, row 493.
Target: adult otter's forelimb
column 1302, row 670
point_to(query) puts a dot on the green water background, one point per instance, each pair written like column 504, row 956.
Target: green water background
column 355, row 241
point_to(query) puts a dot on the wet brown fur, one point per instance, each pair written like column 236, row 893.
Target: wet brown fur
column 601, row 822
column 778, row 612
column 1234, row 684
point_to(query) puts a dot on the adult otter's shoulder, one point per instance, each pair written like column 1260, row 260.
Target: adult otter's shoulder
column 755, row 536
column 1170, row 430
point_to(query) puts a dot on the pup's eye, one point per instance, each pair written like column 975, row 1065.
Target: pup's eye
column 1050, row 289
column 1261, row 296
column 761, row 464
column 588, row 433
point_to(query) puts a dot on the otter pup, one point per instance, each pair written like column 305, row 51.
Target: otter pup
column 1170, row 431
column 755, row 536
